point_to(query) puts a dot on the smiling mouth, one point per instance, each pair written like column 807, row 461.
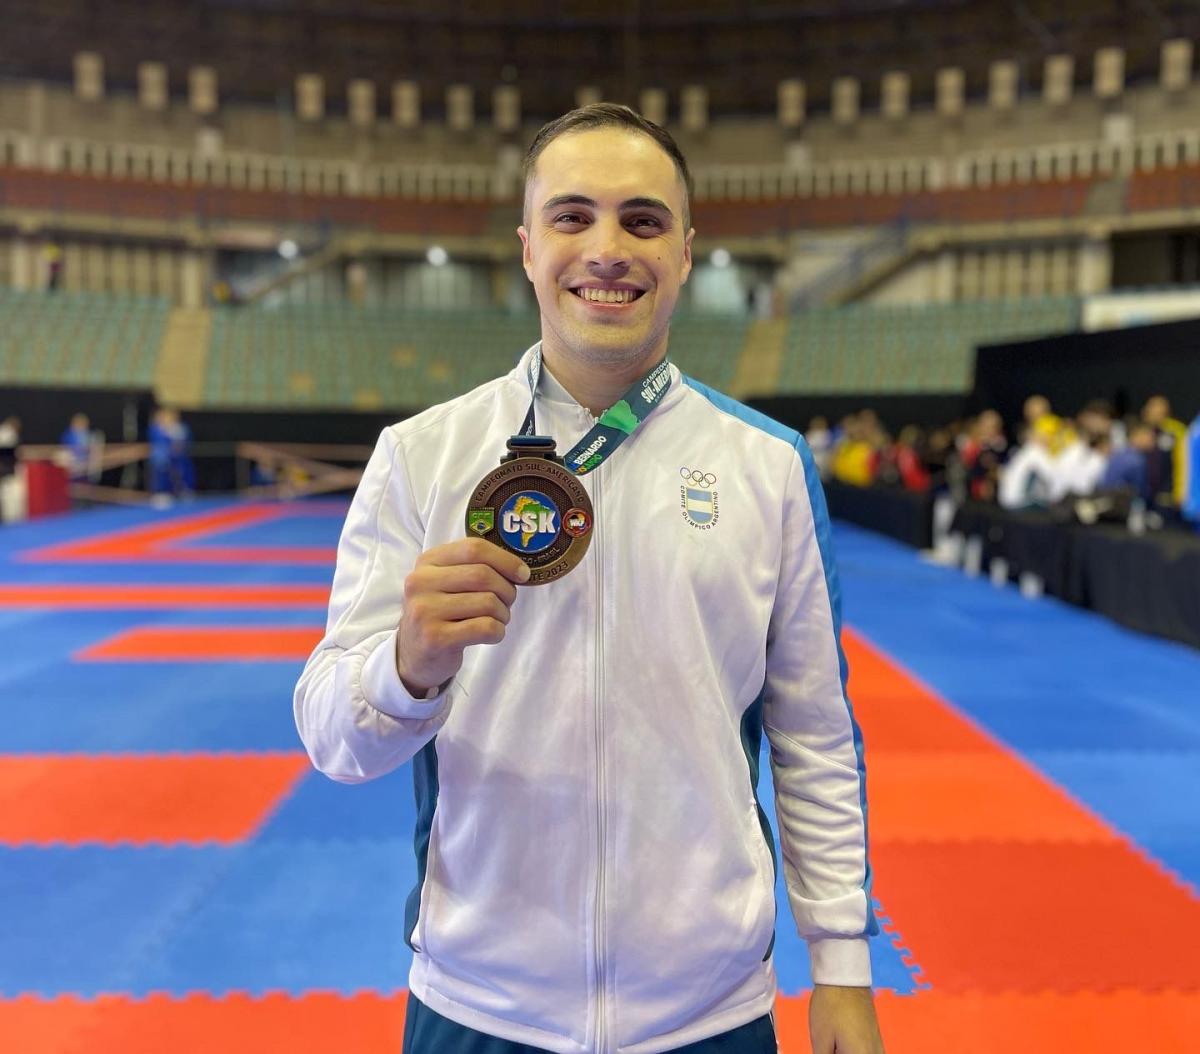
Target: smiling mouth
column 608, row 296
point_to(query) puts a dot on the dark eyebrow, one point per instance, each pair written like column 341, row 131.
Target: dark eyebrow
column 632, row 203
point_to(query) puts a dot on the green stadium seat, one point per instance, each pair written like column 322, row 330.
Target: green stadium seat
column 863, row 350
column 80, row 339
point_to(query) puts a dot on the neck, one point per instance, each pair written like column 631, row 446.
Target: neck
column 594, row 385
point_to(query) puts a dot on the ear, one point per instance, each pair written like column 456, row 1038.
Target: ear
column 687, row 256
column 526, row 257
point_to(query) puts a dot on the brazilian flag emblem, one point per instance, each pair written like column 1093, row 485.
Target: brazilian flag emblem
column 481, row 521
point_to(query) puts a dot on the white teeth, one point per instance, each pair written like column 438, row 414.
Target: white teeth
column 607, row 296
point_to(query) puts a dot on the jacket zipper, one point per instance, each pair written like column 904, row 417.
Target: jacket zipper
column 601, row 812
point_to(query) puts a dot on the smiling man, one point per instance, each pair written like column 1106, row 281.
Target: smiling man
column 605, row 319
column 595, row 873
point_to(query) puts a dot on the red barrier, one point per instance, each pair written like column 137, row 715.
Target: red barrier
column 47, row 488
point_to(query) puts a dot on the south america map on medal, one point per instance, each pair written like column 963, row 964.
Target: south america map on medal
column 529, row 504
column 536, row 508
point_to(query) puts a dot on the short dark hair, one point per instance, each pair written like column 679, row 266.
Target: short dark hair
column 609, row 115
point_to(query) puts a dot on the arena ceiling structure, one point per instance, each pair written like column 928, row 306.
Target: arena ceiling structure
column 740, row 50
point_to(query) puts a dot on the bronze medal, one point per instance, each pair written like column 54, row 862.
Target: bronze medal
column 533, row 506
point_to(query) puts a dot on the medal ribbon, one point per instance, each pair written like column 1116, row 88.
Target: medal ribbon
column 615, row 425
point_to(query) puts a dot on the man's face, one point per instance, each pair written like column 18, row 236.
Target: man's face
column 604, row 245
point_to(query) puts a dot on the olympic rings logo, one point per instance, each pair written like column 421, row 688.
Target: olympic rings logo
column 700, row 479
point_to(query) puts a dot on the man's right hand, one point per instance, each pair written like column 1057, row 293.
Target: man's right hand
column 457, row 594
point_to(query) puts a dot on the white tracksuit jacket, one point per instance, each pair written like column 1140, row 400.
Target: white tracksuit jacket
column 594, row 874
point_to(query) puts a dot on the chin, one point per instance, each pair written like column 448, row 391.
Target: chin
column 614, row 348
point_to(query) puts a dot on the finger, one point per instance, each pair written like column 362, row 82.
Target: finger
column 483, row 630
column 459, row 607
column 461, row 578
column 477, row 551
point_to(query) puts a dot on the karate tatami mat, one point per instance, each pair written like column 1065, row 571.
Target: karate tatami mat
column 174, row 876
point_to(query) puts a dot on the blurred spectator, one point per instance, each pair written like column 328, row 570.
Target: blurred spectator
column 1097, row 419
column 855, row 457
column 939, row 456
column 1046, row 425
column 79, row 443
column 10, row 440
column 1028, row 478
column 1128, row 468
column 1165, row 464
column 1081, row 463
column 171, row 471
column 12, row 489
column 903, row 462
column 820, row 442
column 54, row 267
column 983, row 452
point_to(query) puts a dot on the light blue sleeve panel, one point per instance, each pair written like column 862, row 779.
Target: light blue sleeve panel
column 816, row 745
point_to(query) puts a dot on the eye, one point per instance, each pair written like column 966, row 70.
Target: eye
column 569, row 217
column 650, row 221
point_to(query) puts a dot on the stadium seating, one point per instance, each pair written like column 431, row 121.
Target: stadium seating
column 147, row 200
column 143, row 199
column 707, row 346
column 80, row 339
column 341, row 357
column 1164, row 188
column 862, row 350
column 1004, row 203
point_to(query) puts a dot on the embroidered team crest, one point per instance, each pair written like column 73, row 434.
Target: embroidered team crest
column 698, row 498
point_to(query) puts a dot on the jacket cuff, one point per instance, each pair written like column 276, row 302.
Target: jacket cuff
column 841, row 961
column 383, row 689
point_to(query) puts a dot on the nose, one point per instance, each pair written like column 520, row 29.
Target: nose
column 608, row 250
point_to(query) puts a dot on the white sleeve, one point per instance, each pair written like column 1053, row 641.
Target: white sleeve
column 816, row 747
column 355, row 717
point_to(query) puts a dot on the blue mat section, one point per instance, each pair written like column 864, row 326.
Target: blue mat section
column 89, row 920
column 320, row 527
column 295, row 530
column 321, row 810
column 1039, row 674
column 117, row 706
column 1137, row 791
column 296, row 916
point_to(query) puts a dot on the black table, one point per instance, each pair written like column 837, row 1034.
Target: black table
column 903, row 514
column 1148, row 582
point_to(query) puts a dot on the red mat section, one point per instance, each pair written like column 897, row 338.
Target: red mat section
column 205, row 644
column 136, row 542
column 166, row 799
column 164, row 542
column 1006, row 916
column 963, row 796
column 108, row 597
column 316, row 1023
column 930, row 1023
column 1008, row 1023
column 995, row 878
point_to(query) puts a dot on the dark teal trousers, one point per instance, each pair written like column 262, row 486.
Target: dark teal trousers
column 427, row 1032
